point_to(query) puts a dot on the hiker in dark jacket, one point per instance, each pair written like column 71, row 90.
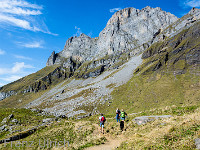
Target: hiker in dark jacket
column 118, row 113
column 102, row 120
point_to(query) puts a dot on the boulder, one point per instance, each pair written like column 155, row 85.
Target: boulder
column 48, row 120
column 144, row 119
column 2, row 128
column 14, row 121
column 197, row 143
column 4, row 121
column 10, row 116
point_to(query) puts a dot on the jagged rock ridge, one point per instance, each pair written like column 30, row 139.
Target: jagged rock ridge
column 183, row 23
column 127, row 30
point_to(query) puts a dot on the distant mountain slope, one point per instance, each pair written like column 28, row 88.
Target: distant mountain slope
column 169, row 75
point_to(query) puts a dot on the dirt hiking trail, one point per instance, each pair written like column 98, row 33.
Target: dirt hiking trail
column 110, row 144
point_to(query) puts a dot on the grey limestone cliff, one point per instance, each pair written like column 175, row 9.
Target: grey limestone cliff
column 127, row 30
column 130, row 28
column 183, row 23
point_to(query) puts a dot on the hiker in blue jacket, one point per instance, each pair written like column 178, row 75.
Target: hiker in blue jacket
column 118, row 113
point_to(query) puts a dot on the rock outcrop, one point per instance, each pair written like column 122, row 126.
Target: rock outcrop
column 51, row 59
column 178, row 54
column 144, row 119
column 126, row 31
column 130, row 28
column 4, row 95
column 183, row 23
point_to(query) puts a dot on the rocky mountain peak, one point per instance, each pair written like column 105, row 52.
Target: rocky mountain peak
column 194, row 11
column 84, row 35
column 125, row 31
column 130, row 28
column 120, row 15
column 51, row 59
column 74, row 38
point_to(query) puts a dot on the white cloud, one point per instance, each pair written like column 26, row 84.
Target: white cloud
column 11, row 78
column 114, row 10
column 34, row 44
column 192, row 3
column 18, row 3
column 2, row 52
column 18, row 68
column 90, row 34
column 2, row 84
column 19, row 13
column 4, row 71
column 17, row 22
column 22, row 57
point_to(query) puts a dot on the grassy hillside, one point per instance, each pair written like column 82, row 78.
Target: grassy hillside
column 177, row 132
column 169, row 75
column 49, row 76
column 28, row 80
column 26, row 120
column 154, row 91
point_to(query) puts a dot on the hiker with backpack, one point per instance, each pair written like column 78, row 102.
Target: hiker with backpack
column 122, row 122
column 102, row 120
column 118, row 113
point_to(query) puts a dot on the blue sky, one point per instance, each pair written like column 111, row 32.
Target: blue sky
column 31, row 29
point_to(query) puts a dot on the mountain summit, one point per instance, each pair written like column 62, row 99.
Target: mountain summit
column 127, row 30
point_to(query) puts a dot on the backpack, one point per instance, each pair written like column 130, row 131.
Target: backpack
column 123, row 114
column 103, row 119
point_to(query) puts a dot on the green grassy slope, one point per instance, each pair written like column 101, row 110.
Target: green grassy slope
column 177, row 132
column 169, row 75
column 28, row 80
column 21, row 99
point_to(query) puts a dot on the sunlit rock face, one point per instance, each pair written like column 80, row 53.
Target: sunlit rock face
column 126, row 30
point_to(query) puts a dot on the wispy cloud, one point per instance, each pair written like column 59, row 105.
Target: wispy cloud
column 18, row 68
column 2, row 52
column 11, row 78
column 22, row 57
column 17, row 71
column 115, row 9
column 191, row 3
column 34, row 44
column 2, row 84
column 20, row 13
